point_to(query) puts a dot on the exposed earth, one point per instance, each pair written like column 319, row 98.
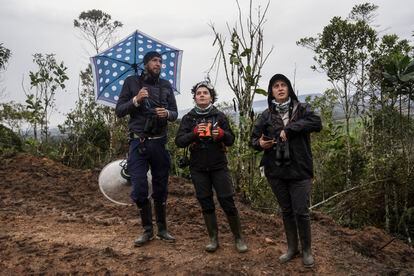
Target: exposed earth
column 54, row 220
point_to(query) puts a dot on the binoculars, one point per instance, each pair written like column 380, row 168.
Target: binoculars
column 282, row 156
column 154, row 125
column 183, row 162
column 207, row 132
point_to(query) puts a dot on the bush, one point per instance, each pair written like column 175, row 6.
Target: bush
column 10, row 142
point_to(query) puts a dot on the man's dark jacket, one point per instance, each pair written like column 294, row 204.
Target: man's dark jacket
column 302, row 121
column 160, row 95
column 206, row 154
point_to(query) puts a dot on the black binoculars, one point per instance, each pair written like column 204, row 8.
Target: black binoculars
column 282, row 156
column 153, row 125
column 183, row 162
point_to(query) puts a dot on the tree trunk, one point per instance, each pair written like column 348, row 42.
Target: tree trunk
column 395, row 206
column 35, row 130
column 387, row 208
column 348, row 135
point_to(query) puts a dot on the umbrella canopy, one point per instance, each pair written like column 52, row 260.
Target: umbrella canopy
column 111, row 67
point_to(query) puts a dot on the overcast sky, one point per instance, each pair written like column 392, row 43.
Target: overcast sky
column 46, row 26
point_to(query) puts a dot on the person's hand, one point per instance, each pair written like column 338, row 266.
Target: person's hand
column 200, row 129
column 143, row 93
column 283, row 136
column 217, row 133
column 161, row 112
column 265, row 144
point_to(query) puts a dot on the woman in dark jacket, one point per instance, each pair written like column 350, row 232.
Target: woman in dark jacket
column 283, row 132
column 206, row 131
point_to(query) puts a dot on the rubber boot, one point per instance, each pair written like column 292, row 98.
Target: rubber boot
column 305, row 240
column 160, row 213
column 211, row 223
column 234, row 222
column 145, row 212
column 292, row 239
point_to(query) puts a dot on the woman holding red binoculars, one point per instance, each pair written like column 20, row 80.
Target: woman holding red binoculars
column 207, row 132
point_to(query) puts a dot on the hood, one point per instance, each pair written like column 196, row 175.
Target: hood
column 275, row 78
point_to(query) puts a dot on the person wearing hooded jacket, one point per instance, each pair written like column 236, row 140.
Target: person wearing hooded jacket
column 150, row 103
column 207, row 132
column 283, row 133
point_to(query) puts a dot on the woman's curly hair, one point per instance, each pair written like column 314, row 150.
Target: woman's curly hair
column 207, row 85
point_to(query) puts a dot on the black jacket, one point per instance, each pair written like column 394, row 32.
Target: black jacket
column 205, row 154
column 160, row 95
column 302, row 121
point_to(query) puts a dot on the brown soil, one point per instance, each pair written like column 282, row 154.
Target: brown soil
column 54, row 220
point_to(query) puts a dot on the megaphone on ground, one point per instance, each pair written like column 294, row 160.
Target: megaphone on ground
column 114, row 182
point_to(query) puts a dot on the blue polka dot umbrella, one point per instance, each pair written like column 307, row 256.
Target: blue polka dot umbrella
column 112, row 66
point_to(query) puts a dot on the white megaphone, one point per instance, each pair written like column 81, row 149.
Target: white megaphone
column 114, row 182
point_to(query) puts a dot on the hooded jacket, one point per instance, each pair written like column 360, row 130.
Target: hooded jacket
column 302, row 121
column 205, row 154
column 160, row 95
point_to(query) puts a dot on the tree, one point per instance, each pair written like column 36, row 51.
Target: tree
column 87, row 132
column 47, row 80
column 379, row 150
column 10, row 143
column 388, row 45
column 5, row 55
column 14, row 115
column 386, row 141
column 341, row 51
column 243, row 71
column 363, row 12
column 399, row 81
column 327, row 149
column 96, row 27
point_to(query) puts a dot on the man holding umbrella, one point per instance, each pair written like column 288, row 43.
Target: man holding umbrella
column 150, row 103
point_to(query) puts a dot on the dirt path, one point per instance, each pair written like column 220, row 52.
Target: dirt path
column 54, row 220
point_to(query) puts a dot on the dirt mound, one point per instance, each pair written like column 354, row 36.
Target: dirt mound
column 54, row 220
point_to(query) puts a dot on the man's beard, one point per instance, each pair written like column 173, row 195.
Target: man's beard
column 150, row 76
column 153, row 74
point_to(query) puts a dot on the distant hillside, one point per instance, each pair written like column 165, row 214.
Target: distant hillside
column 260, row 105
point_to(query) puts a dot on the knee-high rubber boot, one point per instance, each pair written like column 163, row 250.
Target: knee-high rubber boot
column 291, row 232
column 305, row 240
column 234, row 222
column 145, row 212
column 211, row 223
column 160, row 213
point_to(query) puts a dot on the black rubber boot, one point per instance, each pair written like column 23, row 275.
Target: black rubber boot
column 305, row 240
column 211, row 223
column 160, row 213
column 292, row 239
column 234, row 222
column 145, row 212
